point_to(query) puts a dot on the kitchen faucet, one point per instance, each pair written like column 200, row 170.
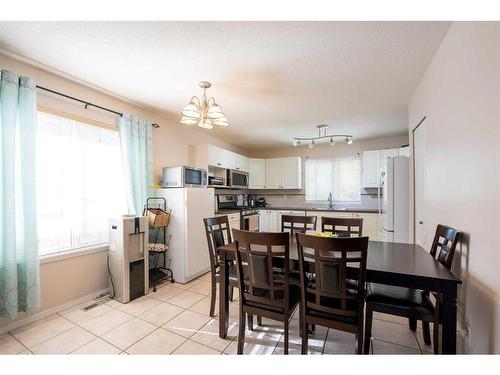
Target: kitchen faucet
column 330, row 200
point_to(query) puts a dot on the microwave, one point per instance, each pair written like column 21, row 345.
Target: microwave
column 183, row 177
column 237, row 179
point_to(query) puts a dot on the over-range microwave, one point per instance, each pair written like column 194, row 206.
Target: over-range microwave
column 237, row 179
column 182, row 176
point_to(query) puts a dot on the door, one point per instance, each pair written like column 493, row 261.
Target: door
column 273, row 173
column 257, row 177
column 291, row 173
column 419, row 183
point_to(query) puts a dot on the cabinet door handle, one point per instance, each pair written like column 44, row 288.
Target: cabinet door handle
column 218, row 164
column 420, row 222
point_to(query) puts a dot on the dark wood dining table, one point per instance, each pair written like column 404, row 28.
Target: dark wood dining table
column 398, row 264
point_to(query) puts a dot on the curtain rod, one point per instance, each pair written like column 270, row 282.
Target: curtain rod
column 87, row 104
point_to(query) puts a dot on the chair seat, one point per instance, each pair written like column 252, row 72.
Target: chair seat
column 398, row 296
column 294, row 299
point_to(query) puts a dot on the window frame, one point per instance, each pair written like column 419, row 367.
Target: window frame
column 335, row 201
column 77, row 251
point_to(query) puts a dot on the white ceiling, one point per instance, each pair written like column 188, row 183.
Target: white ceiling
column 274, row 80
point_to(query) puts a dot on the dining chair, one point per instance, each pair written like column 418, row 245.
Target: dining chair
column 334, row 296
column 265, row 288
column 342, row 226
column 413, row 304
column 300, row 224
column 218, row 234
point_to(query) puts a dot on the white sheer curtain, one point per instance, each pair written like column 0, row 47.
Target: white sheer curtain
column 339, row 176
column 80, row 183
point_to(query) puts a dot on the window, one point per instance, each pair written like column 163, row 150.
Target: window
column 79, row 183
column 339, row 176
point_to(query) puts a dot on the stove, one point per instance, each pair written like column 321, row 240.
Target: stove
column 249, row 214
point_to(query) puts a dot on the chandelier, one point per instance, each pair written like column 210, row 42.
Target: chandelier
column 322, row 129
column 204, row 112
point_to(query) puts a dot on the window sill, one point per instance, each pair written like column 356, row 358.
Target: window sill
column 56, row 257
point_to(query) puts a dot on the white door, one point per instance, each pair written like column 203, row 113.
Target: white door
column 273, row 173
column 257, row 175
column 419, row 181
column 291, row 173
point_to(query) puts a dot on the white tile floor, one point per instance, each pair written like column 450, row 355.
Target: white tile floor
column 175, row 320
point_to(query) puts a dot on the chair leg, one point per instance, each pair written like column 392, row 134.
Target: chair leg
column 231, row 291
column 303, row 333
column 360, row 338
column 426, row 330
column 250, row 321
column 212, row 297
column 286, row 325
column 259, row 320
column 413, row 324
column 435, row 337
column 241, row 333
column 368, row 329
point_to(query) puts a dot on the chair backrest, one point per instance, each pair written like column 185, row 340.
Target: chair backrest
column 218, row 234
column 338, row 283
column 342, row 226
column 261, row 279
column 446, row 240
column 299, row 224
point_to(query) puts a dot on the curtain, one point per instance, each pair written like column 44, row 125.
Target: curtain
column 136, row 141
column 19, row 264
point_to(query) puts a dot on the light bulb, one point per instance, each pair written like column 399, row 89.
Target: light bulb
column 311, row 145
column 295, row 143
column 349, row 140
column 332, row 142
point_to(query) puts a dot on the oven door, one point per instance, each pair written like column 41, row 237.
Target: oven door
column 250, row 222
column 237, row 179
column 195, row 177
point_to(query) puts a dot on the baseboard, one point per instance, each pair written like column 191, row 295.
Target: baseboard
column 53, row 310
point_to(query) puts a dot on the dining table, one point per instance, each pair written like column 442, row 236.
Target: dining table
column 398, row 264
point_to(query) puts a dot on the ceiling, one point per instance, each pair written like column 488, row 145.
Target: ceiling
column 274, row 80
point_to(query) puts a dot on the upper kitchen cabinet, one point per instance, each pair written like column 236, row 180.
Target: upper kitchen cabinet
column 404, row 151
column 213, row 156
column 375, row 162
column 257, row 174
column 284, row 173
column 371, row 169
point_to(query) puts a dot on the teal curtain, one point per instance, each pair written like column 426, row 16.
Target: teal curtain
column 136, row 139
column 19, row 264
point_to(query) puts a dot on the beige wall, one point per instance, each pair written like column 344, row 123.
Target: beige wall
column 70, row 279
column 460, row 96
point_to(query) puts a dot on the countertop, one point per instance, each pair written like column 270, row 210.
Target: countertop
column 309, row 209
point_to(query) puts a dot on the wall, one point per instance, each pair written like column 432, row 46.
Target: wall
column 69, row 279
column 296, row 198
column 460, row 95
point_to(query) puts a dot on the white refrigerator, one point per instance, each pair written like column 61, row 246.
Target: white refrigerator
column 396, row 200
column 188, row 249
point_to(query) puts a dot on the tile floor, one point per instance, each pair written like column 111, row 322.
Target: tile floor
column 174, row 320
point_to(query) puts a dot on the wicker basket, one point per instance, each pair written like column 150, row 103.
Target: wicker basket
column 158, row 218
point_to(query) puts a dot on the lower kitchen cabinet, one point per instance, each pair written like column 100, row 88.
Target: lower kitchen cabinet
column 234, row 222
column 370, row 224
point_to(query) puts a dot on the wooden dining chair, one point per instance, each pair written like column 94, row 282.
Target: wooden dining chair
column 297, row 224
column 264, row 287
column 413, row 304
column 342, row 226
column 218, row 234
column 334, row 296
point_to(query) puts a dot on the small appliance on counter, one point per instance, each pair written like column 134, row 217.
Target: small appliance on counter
column 216, row 181
column 128, row 258
column 184, row 177
column 260, row 202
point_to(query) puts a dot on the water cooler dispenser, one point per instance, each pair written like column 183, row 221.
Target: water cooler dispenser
column 128, row 257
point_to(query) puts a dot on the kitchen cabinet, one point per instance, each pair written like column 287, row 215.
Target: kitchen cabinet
column 284, row 173
column 374, row 164
column 257, row 174
column 213, row 156
column 404, row 151
column 371, row 160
